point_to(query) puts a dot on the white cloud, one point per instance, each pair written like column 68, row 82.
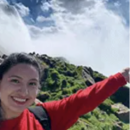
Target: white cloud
column 45, row 6
column 24, row 11
column 3, row 2
column 42, row 19
column 14, row 35
column 93, row 37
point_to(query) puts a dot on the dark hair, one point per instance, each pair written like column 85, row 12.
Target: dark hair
column 18, row 58
column 15, row 59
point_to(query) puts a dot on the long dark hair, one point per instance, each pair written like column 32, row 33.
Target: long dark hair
column 14, row 59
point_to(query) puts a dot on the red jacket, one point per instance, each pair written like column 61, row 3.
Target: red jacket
column 64, row 113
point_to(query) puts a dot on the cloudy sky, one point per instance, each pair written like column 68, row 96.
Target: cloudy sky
column 88, row 32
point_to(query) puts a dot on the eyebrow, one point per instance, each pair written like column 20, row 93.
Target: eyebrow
column 21, row 77
column 15, row 76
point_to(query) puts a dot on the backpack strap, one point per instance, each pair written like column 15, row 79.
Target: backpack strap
column 42, row 116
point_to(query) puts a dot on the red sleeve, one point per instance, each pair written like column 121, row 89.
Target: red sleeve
column 64, row 113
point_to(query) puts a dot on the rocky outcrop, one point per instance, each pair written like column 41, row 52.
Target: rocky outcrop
column 123, row 112
column 48, row 60
column 88, row 76
column 122, row 96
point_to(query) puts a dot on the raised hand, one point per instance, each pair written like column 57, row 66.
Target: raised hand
column 126, row 73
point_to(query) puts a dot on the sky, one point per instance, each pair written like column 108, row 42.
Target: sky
column 88, row 32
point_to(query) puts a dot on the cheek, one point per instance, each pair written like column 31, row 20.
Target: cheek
column 33, row 92
column 5, row 89
column 9, row 88
column 4, row 92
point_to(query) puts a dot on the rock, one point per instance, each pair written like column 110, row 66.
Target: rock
column 119, row 123
column 86, row 75
column 98, row 76
column 32, row 54
column 118, row 127
column 47, row 60
column 122, row 96
column 98, row 79
column 88, row 82
column 4, row 56
column 123, row 113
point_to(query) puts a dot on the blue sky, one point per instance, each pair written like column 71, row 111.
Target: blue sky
column 44, row 8
column 88, row 32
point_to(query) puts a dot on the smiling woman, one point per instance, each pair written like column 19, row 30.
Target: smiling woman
column 19, row 83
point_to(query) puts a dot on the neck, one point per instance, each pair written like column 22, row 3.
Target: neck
column 8, row 116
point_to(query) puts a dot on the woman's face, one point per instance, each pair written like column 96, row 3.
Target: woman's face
column 19, row 87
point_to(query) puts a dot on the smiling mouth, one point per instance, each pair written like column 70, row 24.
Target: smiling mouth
column 19, row 100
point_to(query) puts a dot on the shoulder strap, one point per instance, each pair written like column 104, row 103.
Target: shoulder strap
column 42, row 116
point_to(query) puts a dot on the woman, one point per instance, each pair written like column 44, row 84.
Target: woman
column 19, row 82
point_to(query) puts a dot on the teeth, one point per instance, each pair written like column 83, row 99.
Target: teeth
column 19, row 99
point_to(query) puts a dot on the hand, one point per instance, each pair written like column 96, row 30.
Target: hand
column 126, row 73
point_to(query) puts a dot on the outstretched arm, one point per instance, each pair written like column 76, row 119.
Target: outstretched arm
column 64, row 113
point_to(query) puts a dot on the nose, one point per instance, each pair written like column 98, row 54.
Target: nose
column 24, row 91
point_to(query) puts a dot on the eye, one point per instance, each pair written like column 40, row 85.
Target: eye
column 15, row 81
column 33, row 84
